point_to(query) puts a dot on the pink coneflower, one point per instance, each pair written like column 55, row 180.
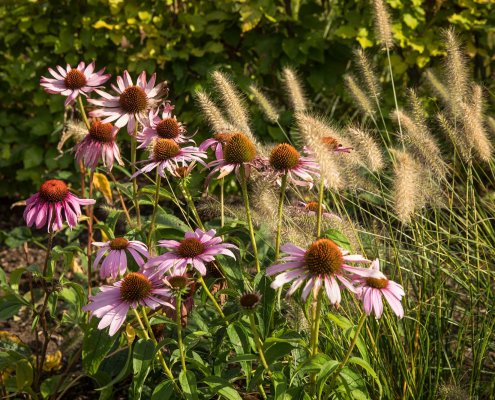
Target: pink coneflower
column 71, row 82
column 333, row 145
column 115, row 262
column 99, row 143
column 374, row 286
column 165, row 127
column 285, row 159
column 165, row 154
column 238, row 151
column 196, row 249
column 52, row 204
column 112, row 303
column 131, row 103
column 216, row 142
column 323, row 262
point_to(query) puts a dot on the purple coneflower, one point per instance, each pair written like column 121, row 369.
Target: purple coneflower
column 166, row 154
column 323, row 262
column 112, row 303
column 286, row 160
column 374, row 286
column 216, row 142
column 196, row 249
column 238, row 151
column 115, row 262
column 99, row 143
column 165, row 127
column 47, row 205
column 334, row 145
column 131, row 103
column 71, row 82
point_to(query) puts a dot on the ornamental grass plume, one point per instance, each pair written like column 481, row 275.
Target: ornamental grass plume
column 322, row 263
column 361, row 98
column 52, row 204
column 368, row 74
column 71, row 82
column 213, row 114
column 196, row 249
column 99, row 143
column 368, row 149
column 166, row 154
column 233, row 103
column 491, row 124
column 113, row 302
column 383, row 27
column 458, row 139
column 265, row 104
column 438, row 87
column 456, row 72
column 115, row 250
column 294, row 90
column 409, row 186
column 131, row 103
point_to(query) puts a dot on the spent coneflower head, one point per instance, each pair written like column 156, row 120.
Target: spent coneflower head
column 53, row 203
column 196, row 249
column 250, row 300
column 373, row 287
column 322, row 263
column 166, row 154
column 116, row 250
column 98, row 144
column 286, row 160
column 163, row 126
column 112, row 303
column 131, row 103
column 383, row 28
column 71, row 82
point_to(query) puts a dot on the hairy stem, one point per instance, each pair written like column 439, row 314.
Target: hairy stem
column 90, row 231
column 178, row 313
column 319, row 214
column 155, row 207
column 279, row 215
column 259, row 344
column 187, row 195
column 210, row 296
column 134, row 180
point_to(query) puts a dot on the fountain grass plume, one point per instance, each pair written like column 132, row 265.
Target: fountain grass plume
column 368, row 74
column 361, row 98
column 295, row 90
column 366, row 146
column 383, row 28
column 265, row 104
column 213, row 114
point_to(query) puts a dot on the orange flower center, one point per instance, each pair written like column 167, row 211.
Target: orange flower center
column 239, row 149
column 223, row 137
column 312, row 206
column 377, row 283
column 284, row 157
column 133, row 100
column 75, row 79
column 53, row 191
column 119, row 243
column 165, row 149
column 101, row 132
column 331, row 142
column 168, row 128
column 323, row 257
column 135, row 287
column 178, row 281
column 190, row 247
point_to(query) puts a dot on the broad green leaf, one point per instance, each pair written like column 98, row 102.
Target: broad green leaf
column 163, row 391
column 367, row 367
column 23, row 374
column 222, row 387
column 144, row 351
column 10, row 305
column 96, row 344
column 187, row 382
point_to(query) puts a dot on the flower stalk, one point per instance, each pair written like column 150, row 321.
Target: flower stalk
column 178, row 305
column 134, row 180
column 259, row 344
column 279, row 215
column 155, row 207
column 210, row 296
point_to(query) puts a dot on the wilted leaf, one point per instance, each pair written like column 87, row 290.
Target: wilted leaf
column 101, row 183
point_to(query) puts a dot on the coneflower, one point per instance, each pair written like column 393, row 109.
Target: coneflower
column 212, row 113
column 383, row 28
column 294, row 89
column 265, row 104
column 361, row 98
column 233, row 103
column 408, row 185
column 369, row 151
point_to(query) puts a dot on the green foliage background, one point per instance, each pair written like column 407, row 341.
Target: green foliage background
column 183, row 41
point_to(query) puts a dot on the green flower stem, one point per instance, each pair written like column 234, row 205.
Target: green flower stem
column 222, row 202
column 341, row 366
column 320, row 207
column 155, row 207
column 248, row 214
column 134, row 180
column 395, row 96
column 187, row 195
column 83, row 112
column 210, row 296
column 148, row 334
column 122, row 202
column 259, row 344
column 315, row 331
column 90, row 231
column 279, row 216
column 178, row 313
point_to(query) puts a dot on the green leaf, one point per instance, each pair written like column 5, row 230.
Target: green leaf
column 96, row 344
column 188, row 384
column 144, row 351
column 222, row 387
column 15, row 278
column 339, row 238
column 367, row 367
column 33, row 156
column 23, row 374
column 163, row 391
column 10, row 305
column 326, row 372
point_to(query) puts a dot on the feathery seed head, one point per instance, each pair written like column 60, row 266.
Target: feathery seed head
column 295, row 90
column 382, row 24
column 265, row 104
column 361, row 98
column 212, row 113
